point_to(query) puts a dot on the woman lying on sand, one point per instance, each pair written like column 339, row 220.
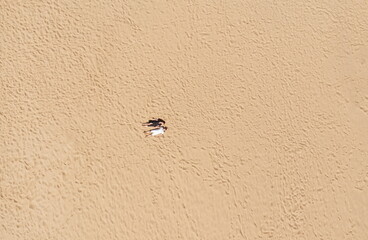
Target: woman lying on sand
column 154, row 123
column 156, row 131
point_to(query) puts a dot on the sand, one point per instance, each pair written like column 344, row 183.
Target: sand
column 266, row 104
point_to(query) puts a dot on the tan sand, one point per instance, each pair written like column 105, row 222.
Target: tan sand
column 266, row 104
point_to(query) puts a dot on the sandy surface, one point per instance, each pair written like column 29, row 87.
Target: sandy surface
column 266, row 104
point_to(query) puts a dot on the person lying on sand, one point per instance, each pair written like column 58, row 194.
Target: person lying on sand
column 154, row 123
column 156, row 131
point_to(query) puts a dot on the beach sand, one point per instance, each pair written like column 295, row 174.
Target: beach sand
column 266, row 104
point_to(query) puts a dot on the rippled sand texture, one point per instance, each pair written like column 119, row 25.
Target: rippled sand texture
column 266, row 104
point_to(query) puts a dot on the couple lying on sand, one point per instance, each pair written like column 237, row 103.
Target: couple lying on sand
column 159, row 127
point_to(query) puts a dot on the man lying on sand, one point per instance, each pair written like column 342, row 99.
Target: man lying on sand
column 158, row 122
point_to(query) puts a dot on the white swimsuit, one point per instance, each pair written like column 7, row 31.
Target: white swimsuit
column 159, row 131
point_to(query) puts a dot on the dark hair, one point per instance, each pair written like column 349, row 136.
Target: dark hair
column 160, row 120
